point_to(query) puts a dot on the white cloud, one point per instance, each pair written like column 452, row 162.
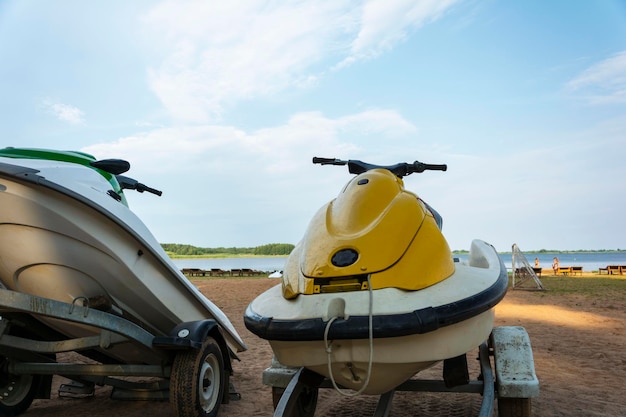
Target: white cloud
column 64, row 112
column 307, row 133
column 604, row 82
column 216, row 179
column 384, row 23
column 218, row 53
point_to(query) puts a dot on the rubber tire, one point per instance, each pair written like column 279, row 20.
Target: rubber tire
column 514, row 407
column 307, row 401
column 22, row 387
column 189, row 396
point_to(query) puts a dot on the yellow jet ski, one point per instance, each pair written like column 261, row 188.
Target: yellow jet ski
column 372, row 294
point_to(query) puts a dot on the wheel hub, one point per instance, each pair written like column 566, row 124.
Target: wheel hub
column 209, row 383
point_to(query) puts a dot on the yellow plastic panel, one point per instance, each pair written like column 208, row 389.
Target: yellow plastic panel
column 427, row 262
column 378, row 219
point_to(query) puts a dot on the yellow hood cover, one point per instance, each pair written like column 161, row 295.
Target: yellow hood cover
column 388, row 231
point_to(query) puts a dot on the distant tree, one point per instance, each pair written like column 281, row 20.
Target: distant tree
column 274, row 249
column 190, row 250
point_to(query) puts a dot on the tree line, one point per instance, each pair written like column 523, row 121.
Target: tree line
column 190, row 250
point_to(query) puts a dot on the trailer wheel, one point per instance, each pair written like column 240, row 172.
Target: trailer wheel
column 514, row 407
column 198, row 381
column 16, row 392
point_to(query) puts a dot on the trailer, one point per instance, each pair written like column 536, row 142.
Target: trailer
column 507, row 377
column 191, row 366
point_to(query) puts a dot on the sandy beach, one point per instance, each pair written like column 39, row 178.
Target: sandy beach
column 578, row 343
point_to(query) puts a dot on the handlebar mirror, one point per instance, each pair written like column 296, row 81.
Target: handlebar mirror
column 112, row 166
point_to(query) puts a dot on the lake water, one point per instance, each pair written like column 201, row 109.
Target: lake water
column 589, row 261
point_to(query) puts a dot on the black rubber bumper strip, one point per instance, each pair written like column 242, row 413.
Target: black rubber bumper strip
column 420, row 321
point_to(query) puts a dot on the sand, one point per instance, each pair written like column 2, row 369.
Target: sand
column 579, row 346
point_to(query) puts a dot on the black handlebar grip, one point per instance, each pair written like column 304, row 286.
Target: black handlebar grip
column 420, row 167
column 328, row 161
column 142, row 187
column 155, row 192
column 436, row 167
column 318, row 160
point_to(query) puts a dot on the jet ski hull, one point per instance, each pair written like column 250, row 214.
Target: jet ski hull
column 410, row 330
column 69, row 240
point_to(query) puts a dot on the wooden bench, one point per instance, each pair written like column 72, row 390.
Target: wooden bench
column 523, row 271
column 613, row 269
column 576, row 270
column 564, row 270
column 216, row 272
column 193, row 272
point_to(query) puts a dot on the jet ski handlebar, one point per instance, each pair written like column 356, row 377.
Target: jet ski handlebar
column 401, row 169
column 127, row 183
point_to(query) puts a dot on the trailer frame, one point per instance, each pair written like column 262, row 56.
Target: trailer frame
column 28, row 360
column 510, row 381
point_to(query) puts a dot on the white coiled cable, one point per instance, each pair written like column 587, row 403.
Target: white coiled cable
column 329, row 349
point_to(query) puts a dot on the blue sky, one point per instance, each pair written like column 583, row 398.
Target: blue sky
column 222, row 105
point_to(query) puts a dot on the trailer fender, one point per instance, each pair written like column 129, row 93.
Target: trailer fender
column 514, row 365
column 191, row 335
column 188, row 335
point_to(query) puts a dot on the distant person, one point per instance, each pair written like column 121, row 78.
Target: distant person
column 555, row 265
column 536, row 262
